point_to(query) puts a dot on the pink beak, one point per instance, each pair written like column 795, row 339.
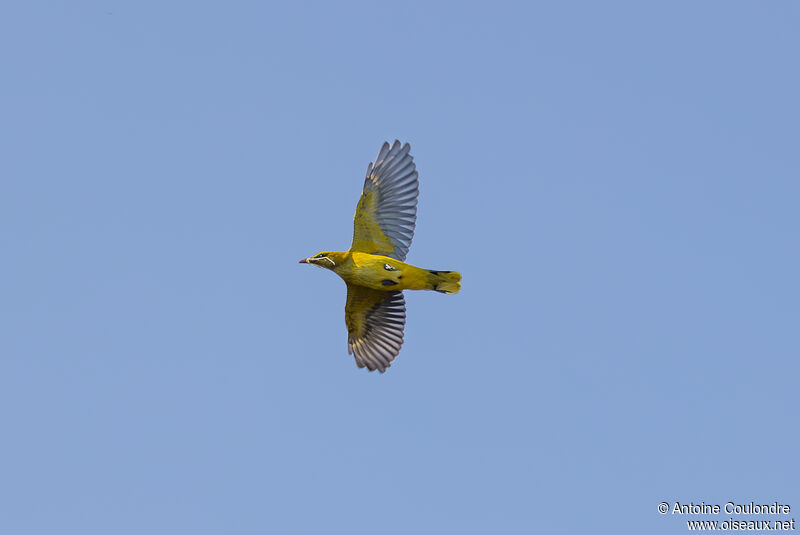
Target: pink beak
column 304, row 261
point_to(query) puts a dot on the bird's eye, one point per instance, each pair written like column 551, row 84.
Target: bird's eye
column 319, row 255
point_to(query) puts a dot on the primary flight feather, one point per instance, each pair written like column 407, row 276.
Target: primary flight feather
column 374, row 268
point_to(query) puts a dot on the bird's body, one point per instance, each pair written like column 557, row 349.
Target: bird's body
column 388, row 274
column 374, row 268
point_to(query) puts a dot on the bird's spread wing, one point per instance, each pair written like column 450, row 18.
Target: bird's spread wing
column 387, row 211
column 375, row 321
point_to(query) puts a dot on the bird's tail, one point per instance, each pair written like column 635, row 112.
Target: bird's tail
column 446, row 282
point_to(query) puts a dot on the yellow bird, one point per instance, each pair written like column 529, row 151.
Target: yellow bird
column 373, row 268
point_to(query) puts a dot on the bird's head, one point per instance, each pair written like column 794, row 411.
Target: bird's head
column 325, row 259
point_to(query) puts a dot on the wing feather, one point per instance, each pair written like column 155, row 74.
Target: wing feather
column 375, row 322
column 387, row 211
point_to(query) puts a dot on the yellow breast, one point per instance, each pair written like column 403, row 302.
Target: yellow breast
column 381, row 273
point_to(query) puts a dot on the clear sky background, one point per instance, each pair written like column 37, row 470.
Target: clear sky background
column 618, row 182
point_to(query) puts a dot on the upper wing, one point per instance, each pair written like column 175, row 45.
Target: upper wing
column 387, row 211
column 375, row 322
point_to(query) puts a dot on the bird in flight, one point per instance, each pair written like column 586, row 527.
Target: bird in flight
column 374, row 268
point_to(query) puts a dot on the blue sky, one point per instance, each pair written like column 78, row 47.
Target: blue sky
column 618, row 182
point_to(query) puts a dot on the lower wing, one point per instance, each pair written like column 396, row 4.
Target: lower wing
column 375, row 321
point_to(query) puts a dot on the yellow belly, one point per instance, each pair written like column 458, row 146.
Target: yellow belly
column 382, row 273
